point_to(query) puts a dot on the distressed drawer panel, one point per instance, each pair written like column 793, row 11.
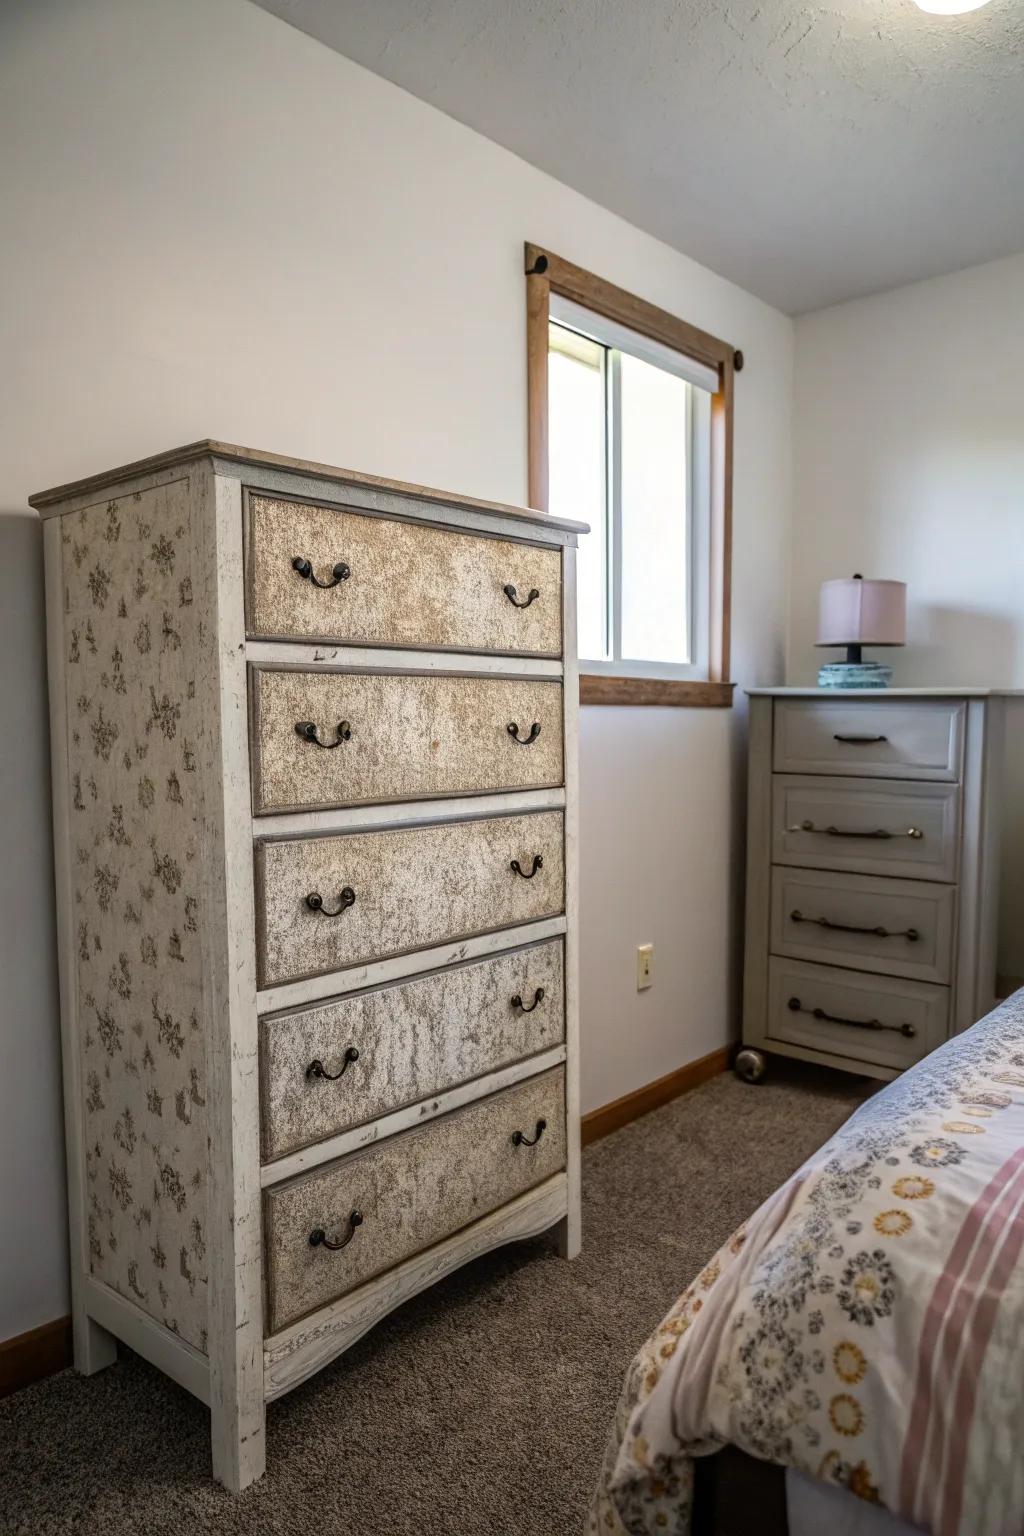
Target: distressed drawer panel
column 804, row 900
column 413, row 887
column 414, row 1040
column 412, row 737
column 854, row 808
column 885, row 740
column 412, row 1191
column 410, row 584
column 852, row 995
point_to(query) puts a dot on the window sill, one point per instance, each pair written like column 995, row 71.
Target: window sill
column 676, row 692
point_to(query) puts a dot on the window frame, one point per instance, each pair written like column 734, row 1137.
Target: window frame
column 547, row 274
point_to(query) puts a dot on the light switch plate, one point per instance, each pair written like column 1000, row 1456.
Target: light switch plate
column 644, row 966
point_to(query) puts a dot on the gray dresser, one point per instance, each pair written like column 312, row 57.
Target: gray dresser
column 314, row 776
column 872, row 873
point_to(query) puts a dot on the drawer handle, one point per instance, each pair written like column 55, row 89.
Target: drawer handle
column 538, row 863
column 520, row 1138
column 524, row 741
column 511, row 594
column 307, row 730
column 316, row 1067
column 318, row 1237
column 341, row 572
column 830, row 1018
column 346, row 897
column 538, row 997
column 878, row 833
column 910, row 934
column 860, row 741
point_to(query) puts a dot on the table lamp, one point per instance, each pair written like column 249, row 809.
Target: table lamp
column 854, row 612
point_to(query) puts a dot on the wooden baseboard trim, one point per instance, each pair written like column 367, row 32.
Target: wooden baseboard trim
column 30, row 1356
column 611, row 1117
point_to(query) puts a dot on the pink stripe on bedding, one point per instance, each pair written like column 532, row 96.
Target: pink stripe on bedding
column 956, row 1346
column 948, row 1521
column 973, row 1228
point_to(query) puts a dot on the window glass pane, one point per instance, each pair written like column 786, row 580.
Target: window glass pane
column 654, row 531
column 576, row 471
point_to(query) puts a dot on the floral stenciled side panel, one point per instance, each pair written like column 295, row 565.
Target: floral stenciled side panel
column 132, row 640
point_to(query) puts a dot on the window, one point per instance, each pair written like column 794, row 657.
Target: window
column 629, row 425
column 630, row 431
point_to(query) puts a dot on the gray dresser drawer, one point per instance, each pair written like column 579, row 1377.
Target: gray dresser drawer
column 884, row 740
column 405, row 737
column 823, row 1008
column 408, row 584
column 884, row 828
column 413, row 1040
column 898, row 927
column 324, row 903
column 410, row 1191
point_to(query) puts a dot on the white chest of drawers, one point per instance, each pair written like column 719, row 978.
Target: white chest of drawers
column 872, row 873
column 314, row 777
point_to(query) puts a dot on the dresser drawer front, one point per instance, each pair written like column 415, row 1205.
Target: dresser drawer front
column 409, row 584
column 885, row 740
column 413, row 1041
column 411, row 888
column 900, row 927
column 841, row 995
column 406, row 737
column 411, row 1191
column 827, row 824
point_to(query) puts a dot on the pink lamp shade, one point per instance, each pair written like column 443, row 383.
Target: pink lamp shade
column 852, row 611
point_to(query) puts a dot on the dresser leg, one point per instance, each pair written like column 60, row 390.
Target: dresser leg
column 239, row 1446
column 95, row 1348
column 569, row 1235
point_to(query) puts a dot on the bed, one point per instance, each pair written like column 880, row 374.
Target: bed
column 852, row 1360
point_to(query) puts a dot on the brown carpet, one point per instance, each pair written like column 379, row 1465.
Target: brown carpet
column 479, row 1409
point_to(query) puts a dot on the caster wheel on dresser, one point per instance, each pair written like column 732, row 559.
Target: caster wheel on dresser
column 750, row 1065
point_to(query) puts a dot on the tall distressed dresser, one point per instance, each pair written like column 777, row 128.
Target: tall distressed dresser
column 314, row 779
column 872, row 873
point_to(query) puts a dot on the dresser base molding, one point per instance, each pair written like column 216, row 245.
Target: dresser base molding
column 293, row 1355
column 827, row 1059
column 148, row 1338
column 419, row 1113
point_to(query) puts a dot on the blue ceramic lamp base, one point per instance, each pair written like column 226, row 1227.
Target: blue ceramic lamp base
column 855, row 674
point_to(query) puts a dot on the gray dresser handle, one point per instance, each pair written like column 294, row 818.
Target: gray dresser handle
column 910, row 934
column 796, row 1006
column 879, row 833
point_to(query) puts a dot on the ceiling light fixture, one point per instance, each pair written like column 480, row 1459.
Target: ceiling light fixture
column 949, row 7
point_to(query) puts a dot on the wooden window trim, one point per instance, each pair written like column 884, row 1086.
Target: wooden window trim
column 547, row 274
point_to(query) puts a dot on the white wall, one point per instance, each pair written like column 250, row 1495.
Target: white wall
column 216, row 227
column 909, row 463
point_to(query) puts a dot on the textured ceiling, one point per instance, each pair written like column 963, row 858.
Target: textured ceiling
column 810, row 152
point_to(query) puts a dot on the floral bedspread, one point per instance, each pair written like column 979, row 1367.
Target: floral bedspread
column 866, row 1326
